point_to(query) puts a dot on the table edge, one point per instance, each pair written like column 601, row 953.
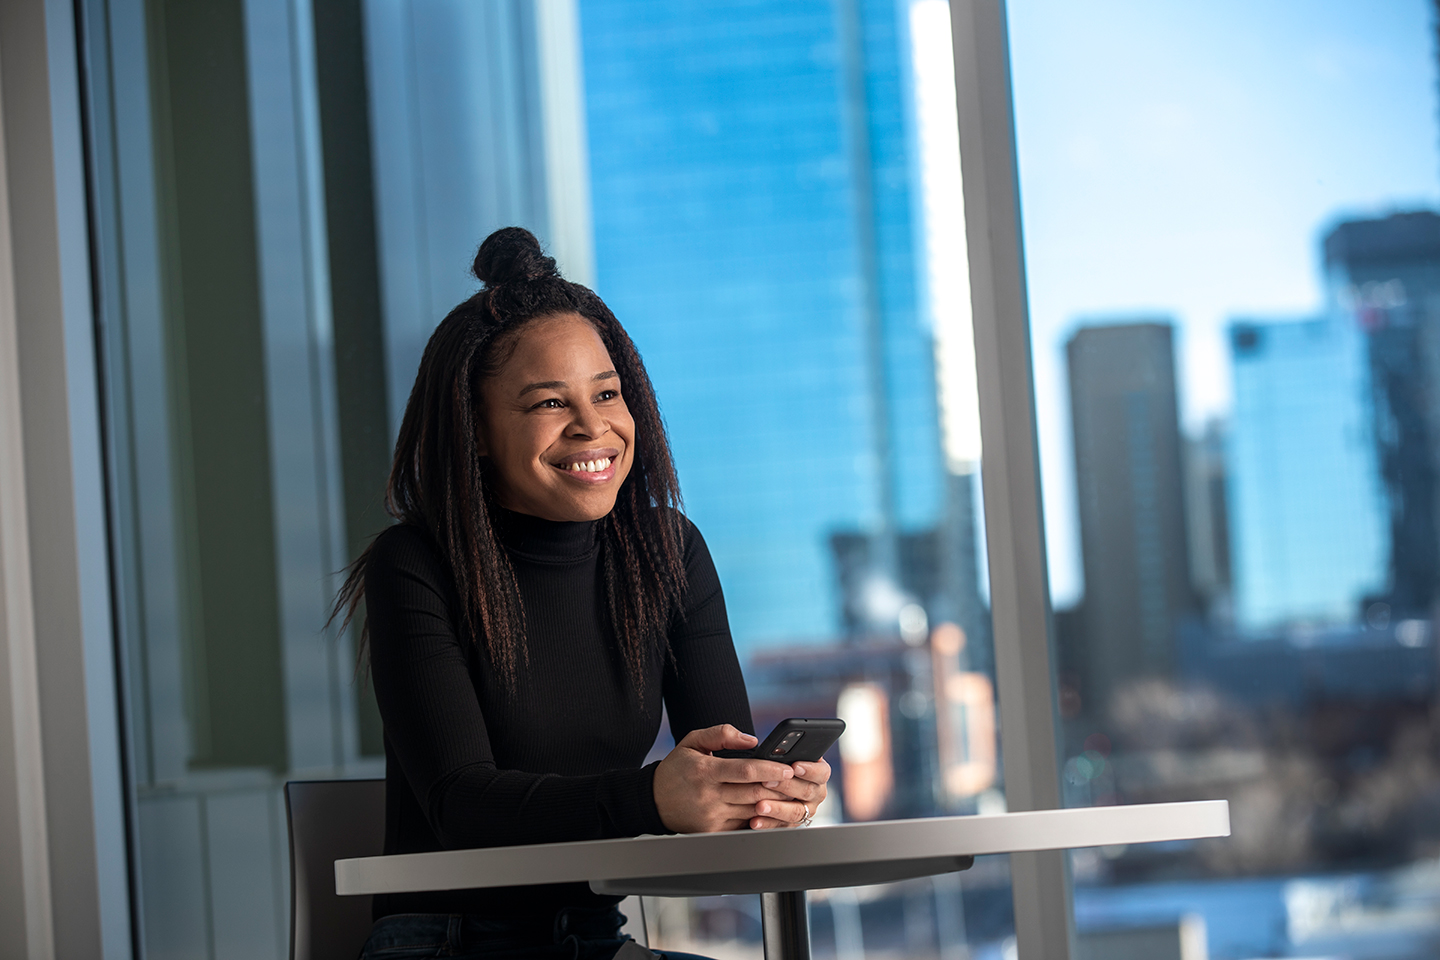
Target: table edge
column 647, row 857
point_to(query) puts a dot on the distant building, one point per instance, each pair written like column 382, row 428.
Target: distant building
column 755, row 213
column 1384, row 275
column 938, row 570
column 1207, row 514
column 1309, row 534
column 1131, row 504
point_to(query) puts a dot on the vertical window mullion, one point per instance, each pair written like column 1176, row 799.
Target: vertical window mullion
column 1019, row 590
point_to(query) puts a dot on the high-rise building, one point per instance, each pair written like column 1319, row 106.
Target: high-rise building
column 1208, row 515
column 1384, row 274
column 756, row 230
column 1131, row 504
column 1309, row 532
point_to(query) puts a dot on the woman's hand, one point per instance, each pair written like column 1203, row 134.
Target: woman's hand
column 698, row 793
column 801, row 796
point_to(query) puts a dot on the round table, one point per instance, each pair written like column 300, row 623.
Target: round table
column 781, row 865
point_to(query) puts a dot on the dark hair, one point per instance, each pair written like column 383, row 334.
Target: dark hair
column 438, row 479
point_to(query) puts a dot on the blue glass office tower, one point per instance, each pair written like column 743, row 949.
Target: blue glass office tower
column 1309, row 519
column 1384, row 274
column 751, row 175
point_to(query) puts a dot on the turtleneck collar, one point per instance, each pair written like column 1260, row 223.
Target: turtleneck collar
column 538, row 539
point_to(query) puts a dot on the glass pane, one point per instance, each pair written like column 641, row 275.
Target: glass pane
column 1233, row 250
column 247, row 447
column 775, row 196
column 768, row 196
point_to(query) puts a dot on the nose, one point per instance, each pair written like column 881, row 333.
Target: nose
column 587, row 422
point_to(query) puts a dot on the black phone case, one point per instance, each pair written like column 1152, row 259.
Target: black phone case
column 820, row 735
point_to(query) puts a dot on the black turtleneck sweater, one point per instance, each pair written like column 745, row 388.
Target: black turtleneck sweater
column 468, row 764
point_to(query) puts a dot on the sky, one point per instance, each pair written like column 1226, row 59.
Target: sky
column 1184, row 159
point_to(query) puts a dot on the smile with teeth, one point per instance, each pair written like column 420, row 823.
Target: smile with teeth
column 589, row 466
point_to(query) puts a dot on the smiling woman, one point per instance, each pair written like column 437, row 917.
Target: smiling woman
column 539, row 598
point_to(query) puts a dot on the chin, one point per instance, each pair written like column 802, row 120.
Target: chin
column 576, row 510
column 594, row 511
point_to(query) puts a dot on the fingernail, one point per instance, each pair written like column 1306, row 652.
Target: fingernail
column 773, row 784
column 789, row 773
column 761, row 808
column 799, row 770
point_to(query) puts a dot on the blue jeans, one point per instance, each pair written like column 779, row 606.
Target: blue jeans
column 575, row 934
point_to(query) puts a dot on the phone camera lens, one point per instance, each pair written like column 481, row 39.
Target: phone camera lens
column 785, row 745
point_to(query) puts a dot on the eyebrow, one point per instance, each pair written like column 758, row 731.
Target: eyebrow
column 561, row 384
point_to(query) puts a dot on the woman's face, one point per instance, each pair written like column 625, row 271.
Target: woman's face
column 555, row 425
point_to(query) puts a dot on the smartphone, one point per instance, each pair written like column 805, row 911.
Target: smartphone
column 797, row 740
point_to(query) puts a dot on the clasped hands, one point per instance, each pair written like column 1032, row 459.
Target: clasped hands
column 696, row 792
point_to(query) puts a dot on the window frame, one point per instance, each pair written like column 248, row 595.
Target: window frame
column 1010, row 475
column 62, row 785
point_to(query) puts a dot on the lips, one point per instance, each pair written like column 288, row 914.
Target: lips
column 589, row 466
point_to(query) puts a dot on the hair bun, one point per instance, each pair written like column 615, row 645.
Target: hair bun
column 510, row 254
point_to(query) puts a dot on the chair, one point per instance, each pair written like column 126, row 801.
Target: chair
column 330, row 820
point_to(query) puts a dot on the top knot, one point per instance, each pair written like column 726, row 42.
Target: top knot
column 510, row 254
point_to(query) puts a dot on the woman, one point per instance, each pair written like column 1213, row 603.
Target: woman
column 540, row 598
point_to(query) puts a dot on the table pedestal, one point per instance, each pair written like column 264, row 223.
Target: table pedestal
column 786, row 925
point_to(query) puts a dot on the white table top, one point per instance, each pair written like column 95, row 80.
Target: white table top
column 760, row 861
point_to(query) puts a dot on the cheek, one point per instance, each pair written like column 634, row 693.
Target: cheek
column 624, row 425
column 627, row 430
column 516, row 451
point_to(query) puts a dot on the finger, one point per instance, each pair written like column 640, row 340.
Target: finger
column 722, row 736
column 817, row 771
column 751, row 771
column 766, row 823
column 787, row 811
column 732, row 817
column 802, row 790
column 751, row 793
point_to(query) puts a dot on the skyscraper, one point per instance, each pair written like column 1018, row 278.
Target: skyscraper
column 1131, row 503
column 1309, row 533
column 1208, row 515
column 751, row 174
column 1384, row 274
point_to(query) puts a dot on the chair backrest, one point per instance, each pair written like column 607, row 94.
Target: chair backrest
column 330, row 820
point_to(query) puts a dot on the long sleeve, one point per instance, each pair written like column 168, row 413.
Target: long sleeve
column 436, row 729
column 703, row 682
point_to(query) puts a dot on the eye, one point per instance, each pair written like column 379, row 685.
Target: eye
column 553, row 403
column 608, row 395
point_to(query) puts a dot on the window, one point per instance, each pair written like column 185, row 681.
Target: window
column 1233, row 247
column 768, row 195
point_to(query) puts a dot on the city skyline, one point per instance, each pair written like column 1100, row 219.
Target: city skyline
column 1326, row 463
column 1289, row 117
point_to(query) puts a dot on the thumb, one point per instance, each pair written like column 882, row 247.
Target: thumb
column 722, row 736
